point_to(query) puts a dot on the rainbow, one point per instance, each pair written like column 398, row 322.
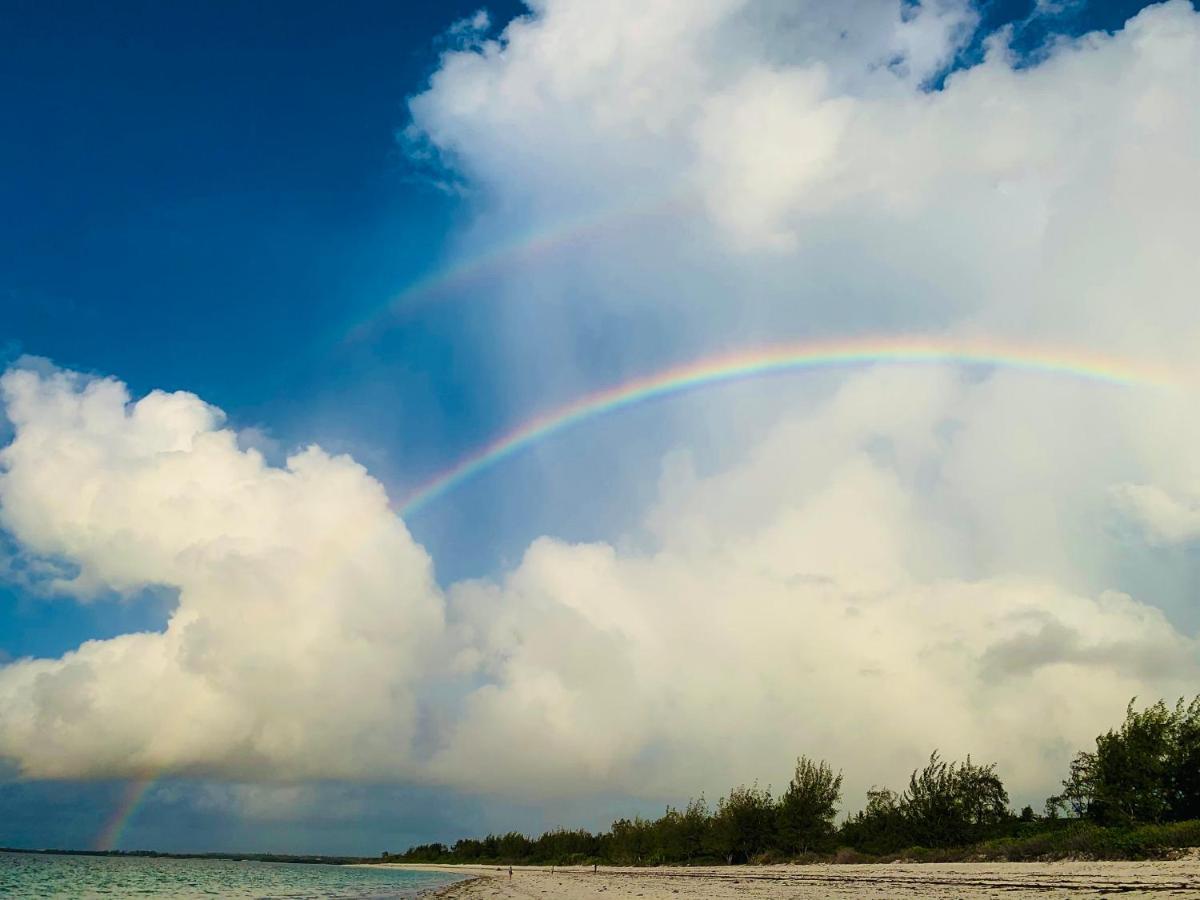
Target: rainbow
column 779, row 359
column 521, row 248
column 134, row 793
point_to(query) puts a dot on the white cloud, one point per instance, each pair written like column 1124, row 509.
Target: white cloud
column 1038, row 200
column 305, row 614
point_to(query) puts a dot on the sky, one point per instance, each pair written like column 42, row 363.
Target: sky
column 267, row 273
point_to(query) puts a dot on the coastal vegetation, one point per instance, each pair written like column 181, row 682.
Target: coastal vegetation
column 1137, row 795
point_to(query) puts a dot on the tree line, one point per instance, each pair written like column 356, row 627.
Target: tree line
column 1144, row 773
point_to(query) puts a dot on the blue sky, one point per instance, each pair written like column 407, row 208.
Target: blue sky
column 205, row 198
column 209, row 197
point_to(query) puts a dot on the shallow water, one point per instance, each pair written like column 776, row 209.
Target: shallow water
column 30, row 875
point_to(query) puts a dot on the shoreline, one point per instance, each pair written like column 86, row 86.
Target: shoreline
column 873, row 881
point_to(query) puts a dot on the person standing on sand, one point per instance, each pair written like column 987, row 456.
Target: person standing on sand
column 510, row 871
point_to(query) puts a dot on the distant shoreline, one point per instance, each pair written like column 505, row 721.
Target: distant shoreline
column 309, row 859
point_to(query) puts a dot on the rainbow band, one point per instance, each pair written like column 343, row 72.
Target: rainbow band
column 775, row 359
column 135, row 792
column 522, row 248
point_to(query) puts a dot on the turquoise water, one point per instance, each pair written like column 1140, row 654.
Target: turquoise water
column 35, row 875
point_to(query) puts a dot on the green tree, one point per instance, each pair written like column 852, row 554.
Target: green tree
column 982, row 798
column 632, row 841
column 1148, row 770
column 929, row 802
column 809, row 806
column 880, row 827
column 744, row 823
column 1079, row 788
column 694, row 825
column 949, row 805
column 1185, row 762
column 667, row 837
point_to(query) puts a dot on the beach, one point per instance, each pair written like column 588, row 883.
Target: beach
column 1180, row 878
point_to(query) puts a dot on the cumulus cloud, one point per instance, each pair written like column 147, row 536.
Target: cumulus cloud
column 905, row 557
column 305, row 611
column 1027, row 199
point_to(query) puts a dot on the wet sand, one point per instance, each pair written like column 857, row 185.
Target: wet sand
column 876, row 882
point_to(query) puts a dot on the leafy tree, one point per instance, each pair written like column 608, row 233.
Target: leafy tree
column 1185, row 762
column 1132, row 768
column 694, row 825
column 948, row 804
column 929, row 805
column 1079, row 788
column 744, row 823
column 514, row 846
column 809, row 806
column 1146, row 771
column 664, row 836
column 982, row 799
column 878, row 828
column 631, row 841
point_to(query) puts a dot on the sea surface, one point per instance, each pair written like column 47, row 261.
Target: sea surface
column 25, row 875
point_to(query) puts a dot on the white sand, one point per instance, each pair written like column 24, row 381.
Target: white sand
column 951, row 880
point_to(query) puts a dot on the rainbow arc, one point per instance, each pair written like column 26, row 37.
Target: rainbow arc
column 780, row 359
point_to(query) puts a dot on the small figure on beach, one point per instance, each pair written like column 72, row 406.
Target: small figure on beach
column 510, row 871
column 595, row 868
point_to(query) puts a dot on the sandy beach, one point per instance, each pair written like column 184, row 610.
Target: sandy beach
column 1009, row 880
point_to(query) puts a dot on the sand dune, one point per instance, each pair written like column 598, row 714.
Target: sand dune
column 969, row 880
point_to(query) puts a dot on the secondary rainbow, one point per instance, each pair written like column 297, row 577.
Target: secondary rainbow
column 781, row 359
column 522, row 247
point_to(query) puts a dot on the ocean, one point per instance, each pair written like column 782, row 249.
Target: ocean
column 28, row 875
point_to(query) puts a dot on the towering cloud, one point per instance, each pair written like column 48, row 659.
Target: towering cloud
column 305, row 612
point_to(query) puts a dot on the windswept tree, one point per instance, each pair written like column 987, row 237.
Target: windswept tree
column 880, row 826
column 1148, row 770
column 514, row 846
column 929, row 803
column 1079, row 789
column 744, row 824
column 809, row 806
column 632, row 841
column 1185, row 762
column 982, row 797
column 694, row 824
column 948, row 804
